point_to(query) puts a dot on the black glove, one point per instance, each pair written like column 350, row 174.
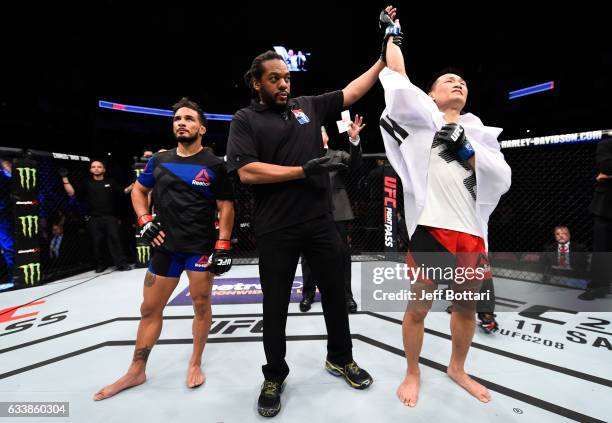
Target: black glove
column 384, row 21
column 322, row 165
column 397, row 40
column 386, row 24
column 63, row 172
column 220, row 260
column 149, row 228
column 453, row 136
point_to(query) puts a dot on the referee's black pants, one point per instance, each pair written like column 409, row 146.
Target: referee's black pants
column 279, row 252
column 310, row 284
column 106, row 228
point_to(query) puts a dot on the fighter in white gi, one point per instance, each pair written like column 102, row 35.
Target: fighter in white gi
column 453, row 175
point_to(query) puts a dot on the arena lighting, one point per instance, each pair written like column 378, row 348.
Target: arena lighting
column 531, row 90
column 589, row 136
column 152, row 111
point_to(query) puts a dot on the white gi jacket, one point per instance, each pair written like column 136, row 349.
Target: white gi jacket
column 408, row 124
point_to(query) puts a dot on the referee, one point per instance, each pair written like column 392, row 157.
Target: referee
column 275, row 144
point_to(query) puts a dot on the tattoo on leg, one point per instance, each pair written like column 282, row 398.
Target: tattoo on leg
column 149, row 279
column 142, row 354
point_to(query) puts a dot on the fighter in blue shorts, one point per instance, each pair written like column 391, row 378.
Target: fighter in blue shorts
column 189, row 186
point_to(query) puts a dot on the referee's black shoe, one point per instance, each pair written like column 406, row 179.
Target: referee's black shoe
column 351, row 305
column 269, row 402
column 354, row 375
column 306, row 303
column 591, row 294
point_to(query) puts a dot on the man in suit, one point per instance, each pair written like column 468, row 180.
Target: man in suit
column 564, row 257
column 601, row 207
column 57, row 245
column 342, row 212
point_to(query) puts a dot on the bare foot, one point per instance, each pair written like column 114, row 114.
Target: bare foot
column 195, row 376
column 469, row 384
column 408, row 391
column 126, row 381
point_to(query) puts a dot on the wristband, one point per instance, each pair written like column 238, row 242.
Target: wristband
column 144, row 219
column 465, row 152
column 392, row 30
column 223, row 244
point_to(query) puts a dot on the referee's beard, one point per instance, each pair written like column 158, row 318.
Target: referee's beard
column 271, row 100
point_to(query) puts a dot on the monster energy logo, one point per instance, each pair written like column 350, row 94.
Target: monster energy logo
column 27, row 177
column 138, row 172
column 144, row 253
column 31, row 273
column 27, row 224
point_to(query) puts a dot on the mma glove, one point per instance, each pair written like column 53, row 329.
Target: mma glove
column 390, row 30
column 221, row 259
column 322, row 165
column 149, row 228
column 453, row 136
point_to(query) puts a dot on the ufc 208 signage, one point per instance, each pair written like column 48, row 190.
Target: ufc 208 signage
column 26, row 228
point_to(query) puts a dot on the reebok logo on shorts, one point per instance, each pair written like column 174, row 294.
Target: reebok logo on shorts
column 202, row 263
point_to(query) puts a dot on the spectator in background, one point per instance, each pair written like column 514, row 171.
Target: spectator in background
column 563, row 257
column 56, row 244
column 101, row 194
column 374, row 176
column 374, row 183
column 6, row 223
column 601, row 207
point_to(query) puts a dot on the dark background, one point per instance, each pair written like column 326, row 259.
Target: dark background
column 59, row 59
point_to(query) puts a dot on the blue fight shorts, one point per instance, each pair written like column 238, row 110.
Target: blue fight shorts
column 171, row 265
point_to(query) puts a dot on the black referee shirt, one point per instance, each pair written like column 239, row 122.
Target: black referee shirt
column 101, row 197
column 291, row 137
